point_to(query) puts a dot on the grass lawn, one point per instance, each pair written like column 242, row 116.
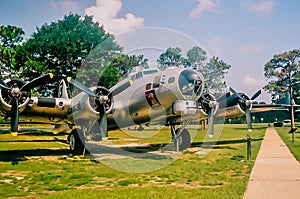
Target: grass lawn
column 39, row 166
column 287, row 138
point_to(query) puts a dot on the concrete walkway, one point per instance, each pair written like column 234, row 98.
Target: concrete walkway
column 276, row 173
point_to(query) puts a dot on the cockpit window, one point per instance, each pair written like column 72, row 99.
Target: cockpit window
column 190, row 83
column 138, row 75
column 149, row 72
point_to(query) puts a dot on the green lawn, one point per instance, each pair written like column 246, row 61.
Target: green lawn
column 47, row 171
column 287, row 138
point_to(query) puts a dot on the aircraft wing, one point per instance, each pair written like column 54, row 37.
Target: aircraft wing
column 269, row 107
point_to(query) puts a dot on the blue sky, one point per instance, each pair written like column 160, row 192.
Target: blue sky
column 243, row 33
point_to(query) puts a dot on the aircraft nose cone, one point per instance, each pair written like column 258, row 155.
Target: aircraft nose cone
column 191, row 83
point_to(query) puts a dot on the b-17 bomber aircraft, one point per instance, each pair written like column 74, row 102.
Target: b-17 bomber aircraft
column 172, row 97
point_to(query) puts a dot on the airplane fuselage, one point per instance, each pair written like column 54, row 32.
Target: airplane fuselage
column 151, row 96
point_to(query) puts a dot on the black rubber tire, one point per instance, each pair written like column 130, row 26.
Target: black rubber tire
column 76, row 142
column 184, row 139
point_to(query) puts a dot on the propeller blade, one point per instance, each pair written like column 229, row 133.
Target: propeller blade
column 248, row 119
column 103, row 122
column 37, row 81
column 223, row 97
column 210, row 122
column 3, row 85
column 256, row 95
column 14, row 116
column 236, row 93
column 81, row 86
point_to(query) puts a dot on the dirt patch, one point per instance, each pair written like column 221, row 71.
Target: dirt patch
column 11, row 175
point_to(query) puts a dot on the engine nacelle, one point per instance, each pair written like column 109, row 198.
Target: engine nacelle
column 87, row 107
column 206, row 105
column 233, row 106
column 103, row 97
column 6, row 96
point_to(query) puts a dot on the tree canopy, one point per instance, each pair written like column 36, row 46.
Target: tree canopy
column 62, row 46
column 282, row 72
column 73, row 47
column 213, row 69
column 10, row 40
column 172, row 57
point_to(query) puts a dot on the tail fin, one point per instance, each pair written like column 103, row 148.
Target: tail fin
column 62, row 90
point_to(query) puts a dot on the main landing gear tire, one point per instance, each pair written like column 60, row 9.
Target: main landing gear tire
column 184, row 139
column 76, row 142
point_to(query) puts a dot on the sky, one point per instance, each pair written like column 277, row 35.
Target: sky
column 243, row 33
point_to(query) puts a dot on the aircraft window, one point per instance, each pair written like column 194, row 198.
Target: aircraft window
column 156, row 82
column 189, row 83
column 163, row 79
column 139, row 75
column 171, row 80
column 148, row 86
column 121, row 88
column 149, row 72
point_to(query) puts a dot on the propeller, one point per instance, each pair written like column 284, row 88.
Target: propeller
column 81, row 86
column 248, row 103
column 15, row 94
column 103, row 122
column 102, row 98
column 14, row 116
column 212, row 103
column 4, row 85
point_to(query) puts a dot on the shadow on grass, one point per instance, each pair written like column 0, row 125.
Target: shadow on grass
column 20, row 155
column 222, row 142
column 146, row 151
column 138, row 151
column 244, row 128
column 64, row 141
column 31, row 132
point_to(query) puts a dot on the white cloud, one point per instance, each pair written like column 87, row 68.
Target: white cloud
column 252, row 82
column 247, row 49
column 205, row 5
column 262, row 7
column 105, row 12
column 66, row 5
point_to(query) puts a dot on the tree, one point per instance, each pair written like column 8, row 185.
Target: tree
column 62, row 47
column 107, row 67
column 172, row 57
column 119, row 67
column 282, row 72
column 10, row 40
column 214, row 73
column 213, row 70
column 196, row 57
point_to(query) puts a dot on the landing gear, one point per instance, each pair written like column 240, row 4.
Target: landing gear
column 181, row 138
column 77, row 142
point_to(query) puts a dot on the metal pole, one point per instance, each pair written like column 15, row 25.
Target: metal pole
column 292, row 109
column 249, row 153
